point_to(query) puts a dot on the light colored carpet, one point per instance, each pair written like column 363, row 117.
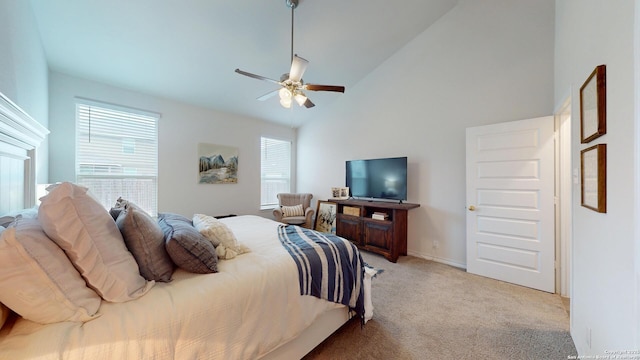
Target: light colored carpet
column 428, row 310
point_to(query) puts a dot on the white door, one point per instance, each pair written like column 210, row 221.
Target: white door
column 510, row 202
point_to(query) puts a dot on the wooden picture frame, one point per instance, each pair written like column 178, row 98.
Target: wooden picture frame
column 593, row 105
column 593, row 178
column 326, row 217
column 340, row 193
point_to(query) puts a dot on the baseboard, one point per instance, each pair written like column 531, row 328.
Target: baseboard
column 438, row 259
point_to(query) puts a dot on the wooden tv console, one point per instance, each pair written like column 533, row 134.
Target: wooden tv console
column 355, row 221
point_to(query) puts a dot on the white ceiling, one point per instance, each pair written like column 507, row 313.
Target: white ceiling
column 188, row 50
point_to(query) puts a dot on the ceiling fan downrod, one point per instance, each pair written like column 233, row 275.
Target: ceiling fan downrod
column 291, row 4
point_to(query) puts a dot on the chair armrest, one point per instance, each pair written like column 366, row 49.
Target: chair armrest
column 308, row 214
column 277, row 213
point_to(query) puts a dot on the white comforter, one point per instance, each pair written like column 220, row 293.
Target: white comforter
column 251, row 306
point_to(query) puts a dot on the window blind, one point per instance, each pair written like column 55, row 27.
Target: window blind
column 275, row 173
column 117, row 154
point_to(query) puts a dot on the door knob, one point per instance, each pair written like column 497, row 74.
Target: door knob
column 472, row 208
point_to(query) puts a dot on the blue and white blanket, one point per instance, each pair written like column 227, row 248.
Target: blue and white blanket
column 330, row 267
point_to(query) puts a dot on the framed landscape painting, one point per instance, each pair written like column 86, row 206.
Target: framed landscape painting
column 218, row 164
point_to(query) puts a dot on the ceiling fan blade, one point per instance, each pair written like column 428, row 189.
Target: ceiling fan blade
column 259, row 77
column 268, row 95
column 308, row 104
column 298, row 66
column 315, row 87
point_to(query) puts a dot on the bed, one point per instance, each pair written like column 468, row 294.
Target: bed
column 251, row 307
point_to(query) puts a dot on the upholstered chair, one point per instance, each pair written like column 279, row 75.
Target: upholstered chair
column 294, row 209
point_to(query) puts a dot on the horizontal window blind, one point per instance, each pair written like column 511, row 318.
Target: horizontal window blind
column 117, row 154
column 275, row 173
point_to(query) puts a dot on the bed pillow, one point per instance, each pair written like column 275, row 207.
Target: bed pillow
column 4, row 314
column 186, row 246
column 295, row 210
column 90, row 238
column 30, row 213
column 145, row 239
column 227, row 246
column 38, row 281
column 119, row 206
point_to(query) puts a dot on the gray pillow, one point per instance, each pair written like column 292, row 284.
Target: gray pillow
column 188, row 249
column 119, row 207
column 145, row 239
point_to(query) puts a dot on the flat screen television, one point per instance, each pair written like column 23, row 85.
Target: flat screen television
column 378, row 178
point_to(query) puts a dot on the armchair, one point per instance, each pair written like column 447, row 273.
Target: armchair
column 289, row 215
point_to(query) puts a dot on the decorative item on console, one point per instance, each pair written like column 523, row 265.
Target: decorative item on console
column 340, row 192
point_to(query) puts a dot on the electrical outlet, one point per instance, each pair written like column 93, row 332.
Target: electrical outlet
column 436, row 244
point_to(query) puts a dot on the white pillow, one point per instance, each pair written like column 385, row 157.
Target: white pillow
column 227, row 246
column 38, row 281
column 295, row 210
column 90, row 238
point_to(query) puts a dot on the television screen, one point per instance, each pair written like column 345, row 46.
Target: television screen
column 378, row 178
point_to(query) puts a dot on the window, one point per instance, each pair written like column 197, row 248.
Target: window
column 275, row 172
column 117, row 153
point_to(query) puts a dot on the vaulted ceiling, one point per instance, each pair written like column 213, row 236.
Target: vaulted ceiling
column 188, row 50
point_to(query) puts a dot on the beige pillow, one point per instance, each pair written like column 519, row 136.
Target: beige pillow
column 227, row 246
column 92, row 241
column 4, row 314
column 295, row 210
column 38, row 281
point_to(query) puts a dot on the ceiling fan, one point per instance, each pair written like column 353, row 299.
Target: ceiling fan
column 292, row 87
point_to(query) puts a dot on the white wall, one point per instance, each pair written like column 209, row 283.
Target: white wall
column 590, row 33
column 181, row 128
column 23, row 69
column 484, row 62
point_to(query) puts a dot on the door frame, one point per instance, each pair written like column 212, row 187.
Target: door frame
column 566, row 176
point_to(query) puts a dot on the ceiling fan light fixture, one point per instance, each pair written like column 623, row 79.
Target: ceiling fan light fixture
column 284, row 93
column 300, row 98
column 285, row 102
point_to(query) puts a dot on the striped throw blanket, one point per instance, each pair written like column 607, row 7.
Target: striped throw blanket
column 330, row 267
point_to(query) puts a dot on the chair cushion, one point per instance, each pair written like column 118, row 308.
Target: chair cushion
column 289, row 211
column 294, row 220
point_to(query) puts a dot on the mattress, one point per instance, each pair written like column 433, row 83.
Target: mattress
column 250, row 307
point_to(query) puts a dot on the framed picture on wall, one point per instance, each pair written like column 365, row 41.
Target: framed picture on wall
column 593, row 105
column 593, row 177
column 326, row 217
column 218, row 164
